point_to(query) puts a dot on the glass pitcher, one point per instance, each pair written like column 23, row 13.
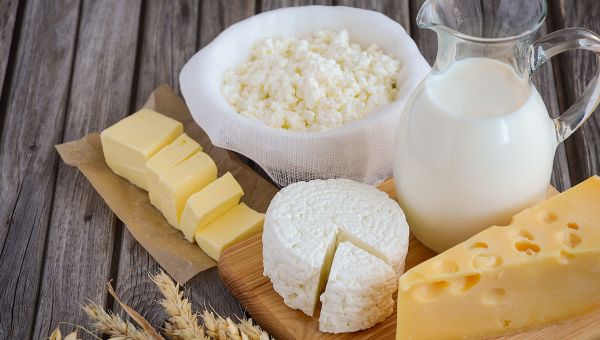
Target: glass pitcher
column 475, row 143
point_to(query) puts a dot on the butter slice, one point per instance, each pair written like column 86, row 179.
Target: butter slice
column 209, row 203
column 171, row 155
column 180, row 182
column 128, row 144
column 542, row 268
column 235, row 225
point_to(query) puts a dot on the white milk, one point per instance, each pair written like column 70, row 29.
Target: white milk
column 476, row 147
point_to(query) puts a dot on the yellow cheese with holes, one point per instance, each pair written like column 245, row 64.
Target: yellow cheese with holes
column 182, row 148
column 128, row 144
column 542, row 268
column 235, row 225
column 177, row 184
column 209, row 203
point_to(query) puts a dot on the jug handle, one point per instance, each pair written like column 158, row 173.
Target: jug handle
column 566, row 40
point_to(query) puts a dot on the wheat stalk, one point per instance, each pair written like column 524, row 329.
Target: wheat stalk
column 182, row 322
column 111, row 324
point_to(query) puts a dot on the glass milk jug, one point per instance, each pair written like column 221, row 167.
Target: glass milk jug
column 475, row 143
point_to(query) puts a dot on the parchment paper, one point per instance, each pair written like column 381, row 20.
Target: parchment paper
column 181, row 259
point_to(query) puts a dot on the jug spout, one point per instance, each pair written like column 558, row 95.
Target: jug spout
column 426, row 18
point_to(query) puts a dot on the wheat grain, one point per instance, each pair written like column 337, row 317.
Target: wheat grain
column 254, row 332
column 111, row 324
column 182, row 322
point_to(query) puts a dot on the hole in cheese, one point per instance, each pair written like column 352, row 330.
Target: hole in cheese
column 465, row 283
column 573, row 225
column 493, row 296
column 571, row 239
column 446, row 267
column 549, row 217
column 429, row 292
column 527, row 247
column 479, row 245
column 524, row 234
column 486, row 261
column 411, row 277
column 564, row 257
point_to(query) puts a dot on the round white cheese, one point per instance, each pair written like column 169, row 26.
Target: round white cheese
column 306, row 221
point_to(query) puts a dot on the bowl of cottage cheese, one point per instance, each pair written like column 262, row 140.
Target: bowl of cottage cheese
column 306, row 92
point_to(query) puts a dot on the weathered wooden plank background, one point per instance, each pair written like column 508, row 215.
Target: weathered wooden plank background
column 71, row 67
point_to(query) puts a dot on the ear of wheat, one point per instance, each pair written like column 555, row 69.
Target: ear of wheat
column 112, row 324
column 181, row 323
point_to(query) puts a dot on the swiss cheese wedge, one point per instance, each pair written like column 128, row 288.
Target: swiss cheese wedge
column 542, row 268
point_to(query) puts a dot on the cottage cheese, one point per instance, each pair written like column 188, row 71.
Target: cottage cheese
column 306, row 220
column 312, row 83
column 356, row 299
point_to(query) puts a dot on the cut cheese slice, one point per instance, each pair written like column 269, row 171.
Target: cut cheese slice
column 356, row 299
column 235, row 225
column 178, row 183
column 128, row 144
column 305, row 221
column 179, row 150
column 209, row 203
column 542, row 268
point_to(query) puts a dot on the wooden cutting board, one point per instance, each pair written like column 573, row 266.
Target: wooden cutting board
column 241, row 270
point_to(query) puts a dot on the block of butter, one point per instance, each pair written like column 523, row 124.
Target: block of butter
column 233, row 226
column 542, row 268
column 128, row 144
column 209, row 203
column 178, row 183
column 179, row 150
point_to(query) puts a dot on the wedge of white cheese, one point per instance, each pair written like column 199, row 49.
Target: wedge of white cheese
column 356, row 299
column 306, row 221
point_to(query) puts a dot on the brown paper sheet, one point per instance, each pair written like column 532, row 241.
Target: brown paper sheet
column 181, row 259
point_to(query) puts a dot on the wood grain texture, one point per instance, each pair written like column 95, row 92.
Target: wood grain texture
column 33, row 123
column 241, row 269
column 217, row 15
column 8, row 15
column 267, row 5
column 575, row 69
column 396, row 10
column 168, row 39
column 82, row 234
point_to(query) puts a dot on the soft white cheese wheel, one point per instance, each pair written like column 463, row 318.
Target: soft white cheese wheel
column 359, row 291
column 306, row 221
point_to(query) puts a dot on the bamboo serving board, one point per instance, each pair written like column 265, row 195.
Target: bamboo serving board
column 241, row 270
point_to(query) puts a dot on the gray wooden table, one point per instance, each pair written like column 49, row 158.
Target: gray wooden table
column 71, row 67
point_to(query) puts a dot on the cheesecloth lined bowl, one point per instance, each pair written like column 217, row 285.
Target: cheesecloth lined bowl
column 361, row 150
